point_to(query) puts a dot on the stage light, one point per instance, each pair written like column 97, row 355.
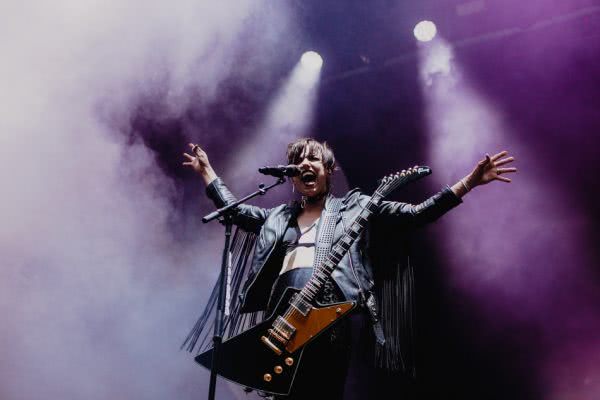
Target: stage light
column 311, row 60
column 425, row 31
column 289, row 116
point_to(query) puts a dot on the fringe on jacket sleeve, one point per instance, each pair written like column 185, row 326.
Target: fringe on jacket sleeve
column 395, row 293
column 199, row 338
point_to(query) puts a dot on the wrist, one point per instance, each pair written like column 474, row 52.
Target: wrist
column 460, row 188
column 469, row 181
column 208, row 175
column 465, row 185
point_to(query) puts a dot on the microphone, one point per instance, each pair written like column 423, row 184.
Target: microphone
column 281, row 170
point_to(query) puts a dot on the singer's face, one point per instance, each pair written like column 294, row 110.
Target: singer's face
column 312, row 182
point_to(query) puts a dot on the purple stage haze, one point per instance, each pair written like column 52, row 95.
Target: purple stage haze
column 518, row 253
column 106, row 265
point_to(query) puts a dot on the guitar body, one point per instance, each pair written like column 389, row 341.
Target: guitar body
column 249, row 360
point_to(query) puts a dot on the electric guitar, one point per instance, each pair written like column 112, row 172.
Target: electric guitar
column 267, row 356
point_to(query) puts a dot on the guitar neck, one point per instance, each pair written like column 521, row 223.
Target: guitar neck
column 321, row 273
column 324, row 271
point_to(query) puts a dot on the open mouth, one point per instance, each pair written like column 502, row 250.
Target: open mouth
column 308, row 177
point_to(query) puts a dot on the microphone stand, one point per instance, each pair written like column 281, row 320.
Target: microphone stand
column 225, row 217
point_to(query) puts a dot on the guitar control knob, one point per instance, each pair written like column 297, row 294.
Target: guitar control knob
column 338, row 310
column 278, row 369
column 267, row 377
column 289, row 361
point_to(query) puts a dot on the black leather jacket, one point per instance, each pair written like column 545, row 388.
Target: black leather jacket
column 355, row 272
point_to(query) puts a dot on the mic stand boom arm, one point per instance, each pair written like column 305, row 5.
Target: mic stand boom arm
column 223, row 211
column 225, row 214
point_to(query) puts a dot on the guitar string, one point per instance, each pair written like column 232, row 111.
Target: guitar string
column 386, row 187
column 324, row 268
column 292, row 310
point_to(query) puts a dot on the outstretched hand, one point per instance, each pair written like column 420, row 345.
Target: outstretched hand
column 488, row 170
column 199, row 163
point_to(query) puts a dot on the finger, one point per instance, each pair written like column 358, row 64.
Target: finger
column 504, row 161
column 505, row 170
column 503, row 179
column 187, row 163
column 195, row 148
column 189, row 157
column 485, row 160
column 501, row 154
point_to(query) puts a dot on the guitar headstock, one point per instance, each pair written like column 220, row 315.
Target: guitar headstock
column 391, row 182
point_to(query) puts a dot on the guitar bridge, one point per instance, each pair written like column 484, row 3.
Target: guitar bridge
column 279, row 337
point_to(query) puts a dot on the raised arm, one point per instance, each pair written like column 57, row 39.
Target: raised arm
column 199, row 163
column 484, row 172
column 249, row 218
column 405, row 215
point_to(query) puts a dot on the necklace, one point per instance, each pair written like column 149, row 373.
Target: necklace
column 315, row 199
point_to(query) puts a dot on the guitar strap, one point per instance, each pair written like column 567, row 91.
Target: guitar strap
column 322, row 248
column 368, row 300
column 326, row 231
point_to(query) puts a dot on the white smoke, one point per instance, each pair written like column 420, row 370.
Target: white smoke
column 95, row 293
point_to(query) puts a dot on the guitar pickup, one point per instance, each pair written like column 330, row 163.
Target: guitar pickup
column 300, row 305
column 283, row 328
